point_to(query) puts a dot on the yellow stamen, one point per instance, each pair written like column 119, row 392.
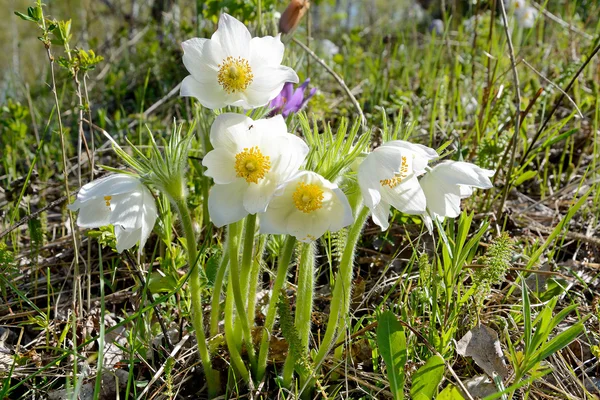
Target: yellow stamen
column 235, row 74
column 252, row 165
column 398, row 177
column 107, row 199
column 308, row 197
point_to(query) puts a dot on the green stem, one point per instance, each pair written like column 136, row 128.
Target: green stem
column 340, row 302
column 304, row 299
column 215, row 304
column 262, row 242
column 260, row 18
column 196, row 295
column 232, row 345
column 235, row 278
column 282, row 268
column 247, row 251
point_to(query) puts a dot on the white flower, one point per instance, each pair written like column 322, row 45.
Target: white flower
column 120, row 200
column 388, row 176
column 526, row 16
column 449, row 182
column 328, row 48
column 234, row 69
column 306, row 207
column 249, row 161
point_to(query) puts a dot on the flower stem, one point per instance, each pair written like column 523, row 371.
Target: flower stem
column 196, row 295
column 262, row 241
column 260, row 17
column 340, row 301
column 215, row 304
column 232, row 345
column 304, row 300
column 282, row 268
column 235, row 278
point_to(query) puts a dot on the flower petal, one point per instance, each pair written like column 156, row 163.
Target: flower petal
column 306, row 228
column 199, row 59
column 266, row 50
column 381, row 215
column 463, row 173
column 233, row 37
column 220, row 165
column 127, row 210
column 407, row 197
column 92, row 214
column 443, row 198
column 126, row 237
column 209, row 94
column 225, row 204
column 110, row 185
column 421, row 154
column 149, row 216
column 228, row 130
column 341, row 211
column 258, row 195
column 267, row 83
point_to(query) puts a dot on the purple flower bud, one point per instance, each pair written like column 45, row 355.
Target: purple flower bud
column 289, row 100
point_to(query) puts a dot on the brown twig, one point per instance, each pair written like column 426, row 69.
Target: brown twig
column 517, row 114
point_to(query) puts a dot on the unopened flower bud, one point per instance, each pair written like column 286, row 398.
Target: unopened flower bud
column 292, row 15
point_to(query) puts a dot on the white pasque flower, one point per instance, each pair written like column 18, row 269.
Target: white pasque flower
column 121, row 200
column 526, row 16
column 446, row 184
column 306, row 207
column 249, row 161
column 388, row 177
column 234, row 69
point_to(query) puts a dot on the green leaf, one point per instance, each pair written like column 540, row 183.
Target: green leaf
column 24, row 17
column 426, row 380
column 525, row 176
column 451, row 392
column 211, row 268
column 526, row 314
column 391, row 341
column 161, row 283
column 559, row 342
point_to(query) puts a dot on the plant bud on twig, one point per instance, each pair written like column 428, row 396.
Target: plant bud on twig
column 292, row 15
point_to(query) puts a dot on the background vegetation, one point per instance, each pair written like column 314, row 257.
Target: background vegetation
column 523, row 261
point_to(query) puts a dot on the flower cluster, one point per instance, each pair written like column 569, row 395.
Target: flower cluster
column 389, row 176
column 259, row 168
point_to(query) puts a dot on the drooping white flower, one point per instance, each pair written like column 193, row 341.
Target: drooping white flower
column 526, row 16
column 446, row 184
column 232, row 68
column 249, row 161
column 306, row 207
column 121, row 200
column 388, row 177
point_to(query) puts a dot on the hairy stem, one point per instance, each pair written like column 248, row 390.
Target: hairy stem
column 304, row 300
column 215, row 309
column 234, row 280
column 340, row 301
column 281, row 274
column 196, row 295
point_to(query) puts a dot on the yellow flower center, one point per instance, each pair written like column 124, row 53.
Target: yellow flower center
column 235, row 74
column 107, row 199
column 308, row 197
column 252, row 165
column 398, row 177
